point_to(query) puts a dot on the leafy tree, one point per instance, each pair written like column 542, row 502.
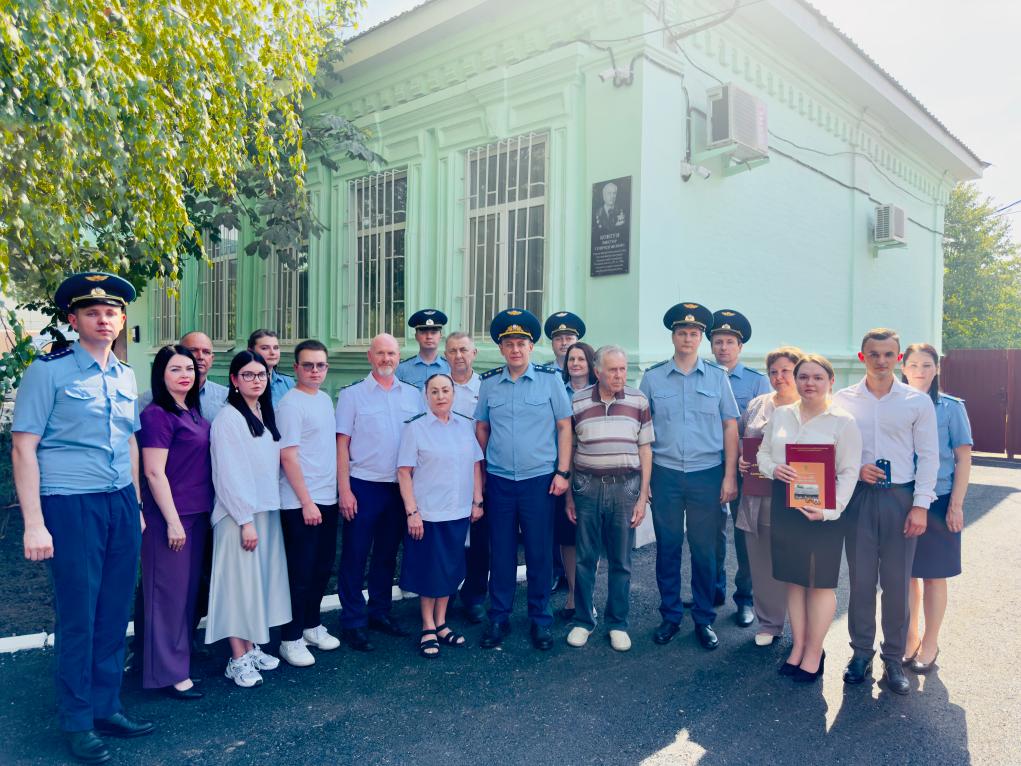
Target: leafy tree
column 982, row 275
column 128, row 129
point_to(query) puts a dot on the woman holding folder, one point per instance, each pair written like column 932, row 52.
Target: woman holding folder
column 806, row 541
column 753, row 514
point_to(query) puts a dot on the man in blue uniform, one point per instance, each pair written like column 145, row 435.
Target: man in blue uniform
column 76, row 472
column 564, row 329
column 524, row 428
column 417, row 369
column 694, row 468
column 731, row 330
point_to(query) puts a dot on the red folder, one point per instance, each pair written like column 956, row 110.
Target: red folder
column 815, row 465
column 754, row 484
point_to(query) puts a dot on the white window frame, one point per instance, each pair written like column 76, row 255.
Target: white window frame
column 166, row 312
column 488, row 248
column 285, row 288
column 218, row 312
column 375, row 231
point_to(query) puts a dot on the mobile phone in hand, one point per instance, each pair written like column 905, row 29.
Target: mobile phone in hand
column 884, row 465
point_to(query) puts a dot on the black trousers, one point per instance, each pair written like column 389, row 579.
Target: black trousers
column 311, row 551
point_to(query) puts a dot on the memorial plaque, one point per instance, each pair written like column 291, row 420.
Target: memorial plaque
column 611, row 227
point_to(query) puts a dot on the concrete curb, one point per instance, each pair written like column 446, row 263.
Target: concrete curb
column 13, row 644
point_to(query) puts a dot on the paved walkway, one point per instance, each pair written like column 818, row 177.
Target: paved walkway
column 654, row 705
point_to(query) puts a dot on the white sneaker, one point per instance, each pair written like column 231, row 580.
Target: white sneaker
column 578, row 636
column 764, row 639
column 263, row 661
column 243, row 672
column 620, row 640
column 320, row 638
column 296, row 653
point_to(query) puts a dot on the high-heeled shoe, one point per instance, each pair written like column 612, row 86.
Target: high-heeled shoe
column 786, row 669
column 922, row 667
column 908, row 660
column 802, row 676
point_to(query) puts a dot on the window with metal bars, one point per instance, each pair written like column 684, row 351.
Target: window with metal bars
column 378, row 213
column 218, row 287
column 285, row 293
column 166, row 311
column 505, row 238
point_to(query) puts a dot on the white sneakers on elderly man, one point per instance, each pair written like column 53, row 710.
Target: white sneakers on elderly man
column 620, row 640
column 578, row 636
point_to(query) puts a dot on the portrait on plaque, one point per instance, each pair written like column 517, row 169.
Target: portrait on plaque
column 611, row 227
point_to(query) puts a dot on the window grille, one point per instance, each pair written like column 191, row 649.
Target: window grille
column 378, row 205
column 166, row 312
column 505, row 240
column 285, row 293
column 218, row 288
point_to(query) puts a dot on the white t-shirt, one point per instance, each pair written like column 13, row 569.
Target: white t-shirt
column 306, row 422
column 443, row 456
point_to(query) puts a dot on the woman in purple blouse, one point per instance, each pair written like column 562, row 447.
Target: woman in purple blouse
column 177, row 498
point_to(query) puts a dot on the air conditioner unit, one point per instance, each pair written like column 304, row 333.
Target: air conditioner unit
column 737, row 119
column 890, row 227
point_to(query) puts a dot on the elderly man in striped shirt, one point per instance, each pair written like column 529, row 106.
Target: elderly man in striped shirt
column 612, row 467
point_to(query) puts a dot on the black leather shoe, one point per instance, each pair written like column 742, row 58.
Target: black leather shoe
column 357, row 639
column 475, row 613
column 87, row 747
column 744, row 616
column 665, row 633
column 895, row 679
column 494, row 635
column 707, row 637
column 387, row 624
column 858, row 669
column 119, row 725
column 182, row 694
column 542, row 638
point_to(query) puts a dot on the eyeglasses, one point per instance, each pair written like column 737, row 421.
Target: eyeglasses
column 310, row 366
column 248, row 376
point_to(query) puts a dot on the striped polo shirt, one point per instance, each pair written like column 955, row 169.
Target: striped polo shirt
column 607, row 436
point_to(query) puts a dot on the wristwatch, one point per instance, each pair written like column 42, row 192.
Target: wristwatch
column 563, row 474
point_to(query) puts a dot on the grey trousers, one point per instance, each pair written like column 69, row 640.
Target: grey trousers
column 878, row 551
column 604, row 513
column 770, row 594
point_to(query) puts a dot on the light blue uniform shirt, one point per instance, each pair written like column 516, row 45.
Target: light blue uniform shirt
column 84, row 416
column 954, row 431
column 374, row 419
column 688, row 411
column 522, row 416
column 212, row 398
column 746, row 384
column 416, row 371
column 279, row 384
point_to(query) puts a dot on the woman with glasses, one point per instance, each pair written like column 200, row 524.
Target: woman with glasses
column 177, row 497
column 248, row 592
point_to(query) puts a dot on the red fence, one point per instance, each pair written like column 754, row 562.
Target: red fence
column 990, row 381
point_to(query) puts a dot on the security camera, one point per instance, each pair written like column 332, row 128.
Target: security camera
column 608, row 74
column 703, row 171
column 686, row 170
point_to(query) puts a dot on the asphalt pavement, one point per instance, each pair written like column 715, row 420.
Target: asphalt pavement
column 674, row 704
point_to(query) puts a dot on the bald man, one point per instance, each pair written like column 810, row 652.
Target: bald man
column 370, row 418
column 212, row 395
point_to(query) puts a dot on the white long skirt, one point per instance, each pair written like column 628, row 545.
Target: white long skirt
column 248, row 590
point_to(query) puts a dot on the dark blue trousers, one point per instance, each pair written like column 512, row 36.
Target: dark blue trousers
column 476, row 559
column 378, row 527
column 743, row 576
column 527, row 505
column 96, row 541
column 693, row 497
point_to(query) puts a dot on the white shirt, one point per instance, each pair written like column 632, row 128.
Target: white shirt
column 374, row 418
column 443, row 456
column 899, row 427
column 306, row 422
column 832, row 426
column 245, row 468
column 466, row 395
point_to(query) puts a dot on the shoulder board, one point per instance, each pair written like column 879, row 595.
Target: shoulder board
column 755, row 372
column 957, row 399
column 492, row 372
column 55, row 354
column 466, row 417
column 657, row 364
column 285, row 375
column 351, row 384
column 710, row 363
column 415, row 417
column 547, row 368
column 408, row 359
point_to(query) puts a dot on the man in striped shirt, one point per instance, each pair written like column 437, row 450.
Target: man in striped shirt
column 612, row 467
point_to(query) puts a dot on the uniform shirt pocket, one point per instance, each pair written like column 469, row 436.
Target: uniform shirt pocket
column 124, row 404
column 707, row 402
column 664, row 403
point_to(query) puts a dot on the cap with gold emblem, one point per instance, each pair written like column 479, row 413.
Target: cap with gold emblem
column 685, row 314
column 734, row 322
column 564, row 322
column 90, row 288
column 427, row 319
column 515, row 323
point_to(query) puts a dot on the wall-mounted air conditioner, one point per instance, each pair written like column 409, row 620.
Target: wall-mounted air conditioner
column 737, row 120
column 890, row 229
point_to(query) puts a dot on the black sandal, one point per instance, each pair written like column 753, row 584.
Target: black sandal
column 424, row 647
column 452, row 638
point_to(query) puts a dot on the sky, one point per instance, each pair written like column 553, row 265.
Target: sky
column 953, row 55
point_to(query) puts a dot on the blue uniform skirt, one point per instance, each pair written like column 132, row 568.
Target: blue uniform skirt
column 938, row 553
column 434, row 566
